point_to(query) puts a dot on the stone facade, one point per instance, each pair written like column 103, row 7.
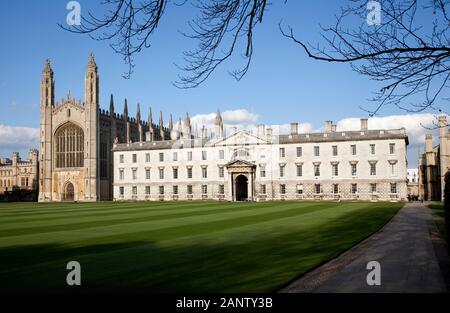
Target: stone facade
column 76, row 139
column 434, row 163
column 16, row 173
column 348, row 165
column 413, row 182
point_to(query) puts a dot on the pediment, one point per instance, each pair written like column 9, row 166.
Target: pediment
column 240, row 163
column 241, row 138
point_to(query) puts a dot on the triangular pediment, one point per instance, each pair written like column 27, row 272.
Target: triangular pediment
column 241, row 138
column 240, row 163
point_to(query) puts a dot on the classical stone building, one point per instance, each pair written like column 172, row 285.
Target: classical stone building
column 16, row 173
column 413, row 182
column 434, row 163
column 349, row 165
column 76, row 139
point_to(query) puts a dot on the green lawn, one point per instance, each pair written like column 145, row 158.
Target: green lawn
column 177, row 246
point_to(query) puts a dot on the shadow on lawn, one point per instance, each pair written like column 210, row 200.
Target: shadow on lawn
column 260, row 265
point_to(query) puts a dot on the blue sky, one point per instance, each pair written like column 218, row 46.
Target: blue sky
column 282, row 85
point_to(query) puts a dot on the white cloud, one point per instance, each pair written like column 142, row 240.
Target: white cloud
column 415, row 124
column 14, row 138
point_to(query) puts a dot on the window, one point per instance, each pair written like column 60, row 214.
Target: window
column 175, row 189
column 221, row 154
column 393, row 188
column 299, row 170
column 299, row 152
column 372, row 148
column 161, row 157
column 69, row 146
column 121, row 174
column 134, row 157
column 161, row 190
column 353, row 149
column 335, row 170
column 221, row 189
column 354, row 169
column 161, row 173
column 175, row 156
column 134, row 173
column 373, row 188
column 221, row 171
column 121, row 158
column 354, row 188
column 391, row 148
column 335, row 188
column 189, row 156
column 282, row 170
column 147, row 190
column 134, row 190
column 373, row 169
column 204, row 155
column 175, row 172
column 262, row 170
column 147, row 157
column 262, row 189
column 147, row 173
column 121, row 191
column 316, row 151
column 283, row 189
column 317, row 188
column 282, row 152
column 334, row 150
column 204, row 189
column 204, row 172
column 189, row 172
column 316, row 170
column 189, row 189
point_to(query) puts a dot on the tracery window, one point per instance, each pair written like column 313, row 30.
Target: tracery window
column 69, row 146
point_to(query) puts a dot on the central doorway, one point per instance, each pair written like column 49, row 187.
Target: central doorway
column 69, row 193
column 241, row 188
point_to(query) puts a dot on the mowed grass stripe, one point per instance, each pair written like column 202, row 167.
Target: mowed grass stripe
column 144, row 230
column 70, row 223
column 60, row 208
column 93, row 214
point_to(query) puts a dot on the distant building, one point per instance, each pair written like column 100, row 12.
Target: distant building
column 434, row 163
column 243, row 166
column 16, row 173
column 413, row 182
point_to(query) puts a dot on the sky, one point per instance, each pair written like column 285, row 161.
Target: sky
column 283, row 85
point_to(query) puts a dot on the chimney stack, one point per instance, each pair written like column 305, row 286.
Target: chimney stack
column 261, row 130
column 294, row 128
column 364, row 124
column 269, row 134
column 328, row 126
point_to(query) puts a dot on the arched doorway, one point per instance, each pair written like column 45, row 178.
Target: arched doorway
column 241, row 188
column 69, row 192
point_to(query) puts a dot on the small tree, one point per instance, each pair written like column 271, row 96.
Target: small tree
column 447, row 206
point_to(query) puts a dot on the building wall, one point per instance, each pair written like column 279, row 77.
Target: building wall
column 19, row 174
column 272, row 160
column 434, row 163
